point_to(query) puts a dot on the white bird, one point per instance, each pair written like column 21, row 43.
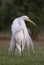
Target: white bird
column 20, row 34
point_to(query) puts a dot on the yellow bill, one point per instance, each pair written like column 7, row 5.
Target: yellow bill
column 29, row 20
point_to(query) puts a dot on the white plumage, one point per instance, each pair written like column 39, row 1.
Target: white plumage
column 20, row 34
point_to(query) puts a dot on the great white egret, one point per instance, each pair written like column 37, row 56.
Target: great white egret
column 20, row 34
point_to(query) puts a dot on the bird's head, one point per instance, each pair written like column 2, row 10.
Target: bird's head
column 28, row 19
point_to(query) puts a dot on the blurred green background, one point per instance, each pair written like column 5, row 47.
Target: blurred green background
column 10, row 9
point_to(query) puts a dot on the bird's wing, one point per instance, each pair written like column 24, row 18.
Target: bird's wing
column 16, row 27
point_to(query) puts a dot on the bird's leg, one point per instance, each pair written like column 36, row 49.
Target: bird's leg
column 21, row 48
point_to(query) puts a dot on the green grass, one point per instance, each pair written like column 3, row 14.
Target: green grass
column 5, row 33
column 28, row 58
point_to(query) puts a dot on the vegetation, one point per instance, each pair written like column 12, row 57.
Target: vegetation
column 10, row 9
column 28, row 58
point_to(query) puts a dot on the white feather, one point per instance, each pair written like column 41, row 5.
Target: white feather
column 20, row 34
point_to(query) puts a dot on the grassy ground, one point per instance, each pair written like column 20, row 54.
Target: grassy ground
column 28, row 58
column 5, row 33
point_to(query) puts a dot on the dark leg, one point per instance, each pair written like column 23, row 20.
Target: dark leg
column 21, row 48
